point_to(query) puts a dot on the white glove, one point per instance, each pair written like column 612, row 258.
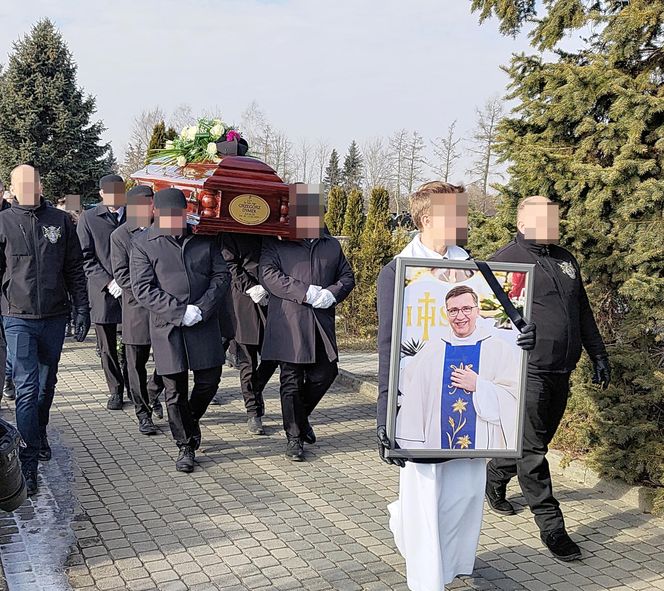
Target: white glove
column 192, row 315
column 114, row 289
column 325, row 299
column 257, row 293
column 312, row 293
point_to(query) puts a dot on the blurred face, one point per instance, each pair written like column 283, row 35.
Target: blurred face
column 447, row 222
column 113, row 194
column 139, row 212
column 26, row 185
column 539, row 221
column 462, row 312
column 307, row 205
column 171, row 222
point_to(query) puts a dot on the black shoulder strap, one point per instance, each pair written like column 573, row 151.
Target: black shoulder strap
column 503, row 298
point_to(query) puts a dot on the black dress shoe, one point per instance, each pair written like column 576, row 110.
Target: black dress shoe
column 495, row 496
column 31, row 482
column 295, row 450
column 309, row 435
column 44, row 450
column 158, row 409
column 114, row 402
column 185, row 461
column 561, row 545
column 146, row 427
column 9, row 390
column 255, row 426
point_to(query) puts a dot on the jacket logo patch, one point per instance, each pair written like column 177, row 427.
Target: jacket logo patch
column 568, row 269
column 52, row 233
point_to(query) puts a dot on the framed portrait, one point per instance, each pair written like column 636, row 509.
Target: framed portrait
column 457, row 377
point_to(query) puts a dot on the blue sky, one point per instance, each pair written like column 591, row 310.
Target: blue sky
column 333, row 69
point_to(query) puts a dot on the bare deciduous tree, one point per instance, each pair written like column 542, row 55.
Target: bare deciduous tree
column 181, row 116
column 446, row 152
column 398, row 148
column 303, row 161
column 142, row 126
column 321, row 156
column 484, row 142
column 378, row 164
column 414, row 161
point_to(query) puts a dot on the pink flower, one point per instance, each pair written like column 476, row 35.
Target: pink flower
column 232, row 135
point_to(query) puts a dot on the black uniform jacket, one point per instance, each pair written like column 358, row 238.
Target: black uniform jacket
column 94, row 229
column 167, row 274
column 287, row 269
column 560, row 309
column 242, row 253
column 40, row 262
column 135, row 318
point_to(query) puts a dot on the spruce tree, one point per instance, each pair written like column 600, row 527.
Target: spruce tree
column 336, row 210
column 332, row 172
column 588, row 132
column 352, row 171
column 45, row 119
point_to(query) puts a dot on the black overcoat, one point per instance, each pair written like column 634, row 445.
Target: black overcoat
column 166, row 276
column 242, row 252
column 287, row 269
column 135, row 318
column 94, row 232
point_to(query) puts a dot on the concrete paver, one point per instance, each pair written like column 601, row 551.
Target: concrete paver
column 248, row 519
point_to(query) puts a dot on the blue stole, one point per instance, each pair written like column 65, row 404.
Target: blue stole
column 458, row 416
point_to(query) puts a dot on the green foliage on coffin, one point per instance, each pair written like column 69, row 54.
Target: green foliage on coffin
column 46, row 120
column 588, row 132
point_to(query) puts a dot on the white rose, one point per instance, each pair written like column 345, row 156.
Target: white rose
column 183, row 133
column 217, row 130
column 169, row 144
column 211, row 149
column 182, row 161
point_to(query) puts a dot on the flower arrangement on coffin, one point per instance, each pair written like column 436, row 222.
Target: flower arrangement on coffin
column 200, row 143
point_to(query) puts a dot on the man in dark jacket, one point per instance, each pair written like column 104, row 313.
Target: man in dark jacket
column 242, row 253
column 8, row 386
column 181, row 278
column 306, row 279
column 565, row 323
column 136, row 318
column 94, row 231
column 40, row 252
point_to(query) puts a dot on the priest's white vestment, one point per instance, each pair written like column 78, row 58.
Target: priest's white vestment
column 437, row 518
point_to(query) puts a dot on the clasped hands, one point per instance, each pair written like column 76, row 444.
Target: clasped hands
column 317, row 297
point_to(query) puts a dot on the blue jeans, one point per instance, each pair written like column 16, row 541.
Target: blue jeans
column 34, row 347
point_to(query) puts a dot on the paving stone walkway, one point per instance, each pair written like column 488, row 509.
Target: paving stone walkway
column 113, row 514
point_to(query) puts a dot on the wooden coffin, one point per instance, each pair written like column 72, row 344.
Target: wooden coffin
column 240, row 194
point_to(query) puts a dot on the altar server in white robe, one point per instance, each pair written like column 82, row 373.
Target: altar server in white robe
column 477, row 373
column 437, row 518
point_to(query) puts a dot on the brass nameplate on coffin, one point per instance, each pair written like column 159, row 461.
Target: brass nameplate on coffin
column 249, row 209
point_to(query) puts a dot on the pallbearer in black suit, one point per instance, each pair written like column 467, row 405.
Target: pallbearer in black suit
column 242, row 253
column 136, row 318
column 94, row 232
column 182, row 279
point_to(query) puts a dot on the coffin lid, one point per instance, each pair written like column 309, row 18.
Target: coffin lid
column 209, row 175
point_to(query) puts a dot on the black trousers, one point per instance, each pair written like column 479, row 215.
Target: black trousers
column 253, row 377
column 546, row 399
column 184, row 410
column 302, row 386
column 144, row 391
column 107, row 341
